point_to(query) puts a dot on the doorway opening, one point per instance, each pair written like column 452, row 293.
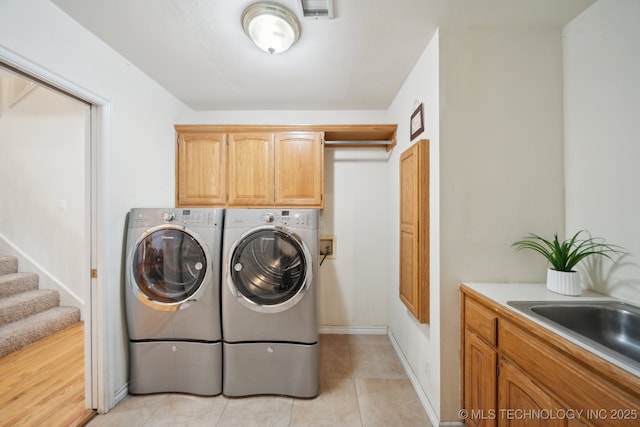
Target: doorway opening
column 51, row 140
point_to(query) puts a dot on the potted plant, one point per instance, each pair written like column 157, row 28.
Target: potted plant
column 563, row 257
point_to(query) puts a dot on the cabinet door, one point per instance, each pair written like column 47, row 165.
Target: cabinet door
column 480, row 393
column 200, row 170
column 409, row 229
column 251, row 177
column 523, row 403
column 414, row 229
column 299, row 169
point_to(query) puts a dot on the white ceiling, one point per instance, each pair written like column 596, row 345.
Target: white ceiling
column 198, row 51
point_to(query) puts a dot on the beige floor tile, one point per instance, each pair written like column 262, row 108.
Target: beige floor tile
column 257, row 411
column 375, row 361
column 335, row 406
column 132, row 411
column 189, row 411
column 182, row 421
column 369, row 339
column 335, row 361
column 385, row 402
column 333, row 339
column 362, row 383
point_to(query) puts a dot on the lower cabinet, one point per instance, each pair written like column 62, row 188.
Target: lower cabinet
column 480, row 363
column 518, row 392
column 517, row 373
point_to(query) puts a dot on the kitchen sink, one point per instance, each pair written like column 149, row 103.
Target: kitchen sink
column 613, row 327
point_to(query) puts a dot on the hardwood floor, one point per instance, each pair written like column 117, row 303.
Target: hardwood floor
column 43, row 383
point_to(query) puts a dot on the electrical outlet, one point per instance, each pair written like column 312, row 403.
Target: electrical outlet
column 328, row 246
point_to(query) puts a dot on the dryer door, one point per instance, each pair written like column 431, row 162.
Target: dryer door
column 269, row 269
column 169, row 266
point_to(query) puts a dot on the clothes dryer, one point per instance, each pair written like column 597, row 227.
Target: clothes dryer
column 269, row 314
column 172, row 288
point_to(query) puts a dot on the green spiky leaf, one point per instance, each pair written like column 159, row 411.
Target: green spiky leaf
column 563, row 256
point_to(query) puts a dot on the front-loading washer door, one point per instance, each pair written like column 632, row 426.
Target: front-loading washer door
column 269, row 269
column 169, row 266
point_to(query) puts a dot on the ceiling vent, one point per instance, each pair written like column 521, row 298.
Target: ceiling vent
column 317, row 9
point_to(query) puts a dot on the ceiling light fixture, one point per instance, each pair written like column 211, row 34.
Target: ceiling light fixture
column 272, row 28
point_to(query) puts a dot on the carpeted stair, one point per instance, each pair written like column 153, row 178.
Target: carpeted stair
column 28, row 314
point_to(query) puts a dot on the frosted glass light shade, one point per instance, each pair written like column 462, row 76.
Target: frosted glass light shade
column 272, row 27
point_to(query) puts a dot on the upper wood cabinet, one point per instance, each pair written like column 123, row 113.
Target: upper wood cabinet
column 276, row 169
column 249, row 169
column 299, row 169
column 414, row 229
column 200, row 169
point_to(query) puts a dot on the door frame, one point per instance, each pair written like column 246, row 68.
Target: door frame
column 95, row 238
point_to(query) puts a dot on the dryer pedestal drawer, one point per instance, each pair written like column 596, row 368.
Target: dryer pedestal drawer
column 175, row 366
column 270, row 368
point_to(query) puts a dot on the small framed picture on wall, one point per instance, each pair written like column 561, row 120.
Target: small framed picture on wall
column 417, row 122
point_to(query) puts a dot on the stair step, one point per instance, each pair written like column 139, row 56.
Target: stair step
column 8, row 265
column 16, row 335
column 14, row 283
column 25, row 304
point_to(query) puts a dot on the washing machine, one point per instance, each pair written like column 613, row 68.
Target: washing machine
column 268, row 294
column 172, row 298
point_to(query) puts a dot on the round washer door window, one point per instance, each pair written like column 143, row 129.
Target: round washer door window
column 270, row 267
column 169, row 266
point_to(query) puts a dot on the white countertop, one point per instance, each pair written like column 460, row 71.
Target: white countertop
column 503, row 292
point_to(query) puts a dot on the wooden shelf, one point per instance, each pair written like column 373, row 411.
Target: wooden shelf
column 338, row 136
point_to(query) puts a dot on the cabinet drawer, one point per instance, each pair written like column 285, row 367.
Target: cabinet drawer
column 480, row 320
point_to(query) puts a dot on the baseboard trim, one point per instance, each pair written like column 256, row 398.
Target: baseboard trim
column 426, row 403
column 120, row 394
column 354, row 330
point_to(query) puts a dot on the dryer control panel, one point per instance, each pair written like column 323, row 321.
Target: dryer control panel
column 290, row 217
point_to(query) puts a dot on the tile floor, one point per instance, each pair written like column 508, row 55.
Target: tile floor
column 362, row 383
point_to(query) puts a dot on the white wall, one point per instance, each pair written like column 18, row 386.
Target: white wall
column 139, row 158
column 42, row 182
column 419, row 342
column 501, row 166
column 602, row 147
column 493, row 103
column 353, row 286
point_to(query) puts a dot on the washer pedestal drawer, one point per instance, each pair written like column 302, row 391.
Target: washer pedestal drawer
column 270, row 368
column 175, row 366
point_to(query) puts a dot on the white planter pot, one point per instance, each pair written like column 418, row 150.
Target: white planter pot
column 564, row 282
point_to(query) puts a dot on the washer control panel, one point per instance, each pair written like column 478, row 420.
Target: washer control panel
column 152, row 217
